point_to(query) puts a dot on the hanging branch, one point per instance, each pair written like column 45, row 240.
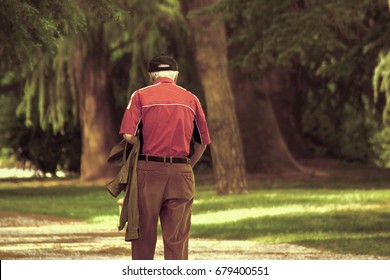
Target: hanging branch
column 381, row 83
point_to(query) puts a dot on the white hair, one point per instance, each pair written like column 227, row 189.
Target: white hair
column 167, row 74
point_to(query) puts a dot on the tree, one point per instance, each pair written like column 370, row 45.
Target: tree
column 95, row 49
column 28, row 27
column 91, row 74
column 265, row 148
column 73, row 84
column 210, row 42
column 259, row 91
column 321, row 54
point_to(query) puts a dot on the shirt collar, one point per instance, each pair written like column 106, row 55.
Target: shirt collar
column 164, row 80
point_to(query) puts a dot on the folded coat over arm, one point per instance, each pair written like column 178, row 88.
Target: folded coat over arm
column 126, row 155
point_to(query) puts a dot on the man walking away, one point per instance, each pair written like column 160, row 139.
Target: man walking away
column 170, row 117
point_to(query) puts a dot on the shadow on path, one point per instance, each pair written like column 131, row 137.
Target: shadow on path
column 43, row 237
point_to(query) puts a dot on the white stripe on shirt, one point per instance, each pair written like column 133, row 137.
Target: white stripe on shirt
column 131, row 98
column 153, row 105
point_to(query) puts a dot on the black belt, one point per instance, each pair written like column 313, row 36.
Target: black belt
column 165, row 159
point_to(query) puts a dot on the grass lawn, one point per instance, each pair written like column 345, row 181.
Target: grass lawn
column 334, row 215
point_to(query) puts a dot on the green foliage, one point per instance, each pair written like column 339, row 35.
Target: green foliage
column 28, row 27
column 131, row 39
column 50, row 89
column 34, row 147
column 345, row 134
column 7, row 159
column 381, row 147
column 317, row 33
column 133, row 32
column 50, row 98
column 153, row 27
column 381, row 84
column 333, row 46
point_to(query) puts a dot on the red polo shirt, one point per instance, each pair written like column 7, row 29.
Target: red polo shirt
column 170, row 116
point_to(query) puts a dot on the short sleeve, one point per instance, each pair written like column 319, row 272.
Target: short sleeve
column 132, row 116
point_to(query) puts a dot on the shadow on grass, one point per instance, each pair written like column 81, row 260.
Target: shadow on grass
column 357, row 232
column 374, row 245
column 71, row 191
column 68, row 202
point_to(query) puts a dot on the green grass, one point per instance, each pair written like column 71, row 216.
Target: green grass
column 85, row 203
column 334, row 215
column 345, row 218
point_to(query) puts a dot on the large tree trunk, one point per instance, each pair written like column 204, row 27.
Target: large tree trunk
column 265, row 148
column 287, row 104
column 91, row 76
column 209, row 39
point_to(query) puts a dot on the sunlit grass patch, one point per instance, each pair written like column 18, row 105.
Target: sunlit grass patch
column 69, row 202
column 347, row 220
column 321, row 218
column 234, row 215
column 327, row 230
column 111, row 221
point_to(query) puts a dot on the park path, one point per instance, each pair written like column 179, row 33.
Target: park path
column 44, row 237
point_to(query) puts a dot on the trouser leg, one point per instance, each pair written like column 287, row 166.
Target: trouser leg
column 176, row 214
column 165, row 190
column 150, row 193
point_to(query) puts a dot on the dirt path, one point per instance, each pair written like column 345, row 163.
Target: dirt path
column 43, row 237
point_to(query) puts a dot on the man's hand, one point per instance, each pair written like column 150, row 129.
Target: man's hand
column 198, row 152
column 130, row 138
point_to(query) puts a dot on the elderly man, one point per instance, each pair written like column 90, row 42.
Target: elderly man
column 171, row 118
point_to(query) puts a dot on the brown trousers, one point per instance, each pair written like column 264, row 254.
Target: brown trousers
column 165, row 190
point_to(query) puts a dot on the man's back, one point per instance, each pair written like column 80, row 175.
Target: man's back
column 169, row 114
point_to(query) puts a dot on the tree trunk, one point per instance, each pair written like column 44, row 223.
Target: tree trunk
column 96, row 102
column 286, row 101
column 264, row 146
column 209, row 39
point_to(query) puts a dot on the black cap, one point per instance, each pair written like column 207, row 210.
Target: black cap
column 162, row 63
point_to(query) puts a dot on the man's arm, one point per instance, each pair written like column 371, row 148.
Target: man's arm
column 198, row 152
column 130, row 138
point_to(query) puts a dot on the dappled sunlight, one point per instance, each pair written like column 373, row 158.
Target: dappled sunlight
column 321, row 237
column 111, row 221
column 48, row 219
column 62, row 240
column 233, row 215
column 27, row 173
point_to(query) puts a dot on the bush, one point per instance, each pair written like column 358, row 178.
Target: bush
column 45, row 150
